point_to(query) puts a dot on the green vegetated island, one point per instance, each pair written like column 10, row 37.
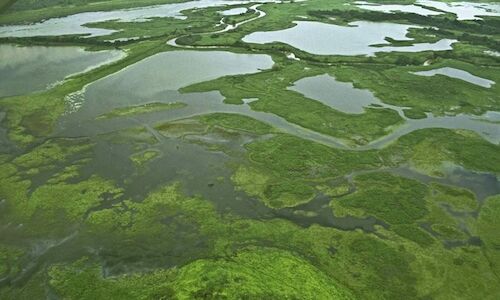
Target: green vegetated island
column 232, row 149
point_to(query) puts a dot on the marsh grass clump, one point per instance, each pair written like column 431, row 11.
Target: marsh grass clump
column 276, row 98
column 283, row 174
column 237, row 122
column 460, row 199
column 414, row 114
column 10, row 259
column 488, row 225
column 428, row 149
column 249, row 273
column 140, row 109
column 141, row 158
column 395, row 200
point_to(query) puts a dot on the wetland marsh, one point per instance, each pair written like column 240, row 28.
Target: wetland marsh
column 233, row 149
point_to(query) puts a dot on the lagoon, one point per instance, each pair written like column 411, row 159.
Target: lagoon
column 358, row 38
column 153, row 78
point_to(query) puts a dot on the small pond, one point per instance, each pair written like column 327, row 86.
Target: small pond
column 341, row 96
column 234, row 11
column 458, row 74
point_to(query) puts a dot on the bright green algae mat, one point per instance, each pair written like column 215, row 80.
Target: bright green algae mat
column 220, row 205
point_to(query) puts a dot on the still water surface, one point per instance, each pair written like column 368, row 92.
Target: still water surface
column 458, row 74
column 341, row 96
column 358, row 38
column 464, row 10
column 392, row 8
column 28, row 69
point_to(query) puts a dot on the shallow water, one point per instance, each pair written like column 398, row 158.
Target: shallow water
column 356, row 39
column 482, row 125
column 234, row 11
column 83, row 123
column 34, row 68
column 6, row 146
column 157, row 77
column 464, row 10
column 74, row 24
column 147, row 81
column 482, row 185
column 492, row 53
column 318, row 211
column 458, row 74
column 392, row 8
column 341, row 96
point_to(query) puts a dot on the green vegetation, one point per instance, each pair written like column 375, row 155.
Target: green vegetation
column 339, row 189
column 488, row 225
column 253, row 273
column 275, row 98
column 198, row 21
column 414, row 114
column 427, row 150
column 265, row 273
column 232, row 20
column 51, row 206
column 140, row 109
column 284, row 169
column 236, row 122
column 393, row 199
column 439, row 95
column 32, row 117
column 275, row 192
column 284, row 174
column 137, row 212
column 414, row 233
column 82, row 280
column 9, row 260
column 25, row 11
column 5, row 4
column 140, row 159
column 460, row 199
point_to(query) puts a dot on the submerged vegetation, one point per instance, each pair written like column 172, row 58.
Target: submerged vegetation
column 241, row 187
